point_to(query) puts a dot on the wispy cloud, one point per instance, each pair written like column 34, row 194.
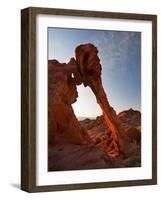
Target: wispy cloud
column 119, row 52
column 115, row 46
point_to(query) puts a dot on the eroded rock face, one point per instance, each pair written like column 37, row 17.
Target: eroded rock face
column 100, row 133
column 90, row 70
column 63, row 79
column 69, row 146
column 130, row 117
column 63, row 126
column 90, row 145
column 77, row 157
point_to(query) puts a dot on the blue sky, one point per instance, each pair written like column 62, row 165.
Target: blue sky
column 120, row 56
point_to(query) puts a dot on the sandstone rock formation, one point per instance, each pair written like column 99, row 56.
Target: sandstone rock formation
column 63, row 126
column 90, row 69
column 130, row 117
column 100, row 135
column 77, row 157
column 69, row 145
column 91, row 143
column 99, row 131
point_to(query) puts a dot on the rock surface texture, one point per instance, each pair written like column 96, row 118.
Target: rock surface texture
column 89, row 144
column 77, row 157
column 63, row 126
column 100, row 135
column 90, row 70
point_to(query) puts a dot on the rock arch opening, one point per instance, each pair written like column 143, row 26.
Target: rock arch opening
column 85, row 69
column 86, row 105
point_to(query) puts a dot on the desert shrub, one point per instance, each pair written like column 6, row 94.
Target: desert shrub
column 133, row 162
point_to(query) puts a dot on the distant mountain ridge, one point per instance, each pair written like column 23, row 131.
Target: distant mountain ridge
column 130, row 116
column 83, row 118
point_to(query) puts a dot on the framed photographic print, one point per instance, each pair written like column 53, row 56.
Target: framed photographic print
column 89, row 99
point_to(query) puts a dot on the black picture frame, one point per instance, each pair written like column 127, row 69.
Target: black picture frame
column 28, row 98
